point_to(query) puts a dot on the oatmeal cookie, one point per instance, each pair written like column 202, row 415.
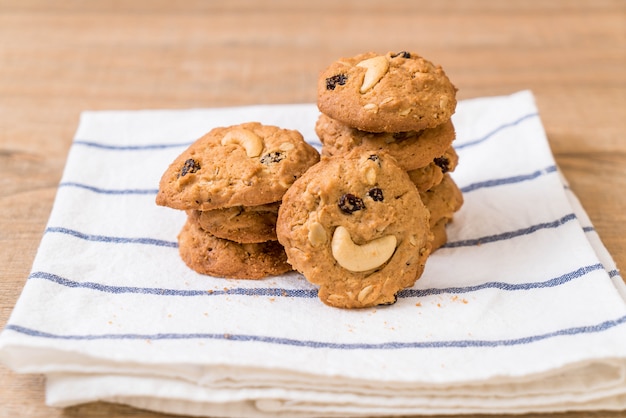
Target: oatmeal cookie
column 355, row 226
column 242, row 165
column 395, row 92
column 412, row 150
column 243, row 224
column 442, row 201
column 207, row 254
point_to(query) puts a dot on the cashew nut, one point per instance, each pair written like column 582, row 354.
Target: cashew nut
column 364, row 257
column 252, row 143
column 375, row 68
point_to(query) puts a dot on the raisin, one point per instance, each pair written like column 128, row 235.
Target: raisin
column 349, row 203
column 376, row 194
column 331, row 82
column 443, row 163
column 402, row 54
column 272, row 157
column 190, row 166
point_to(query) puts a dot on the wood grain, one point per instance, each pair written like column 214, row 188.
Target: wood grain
column 60, row 58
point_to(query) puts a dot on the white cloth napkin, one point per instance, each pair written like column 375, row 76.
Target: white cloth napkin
column 523, row 310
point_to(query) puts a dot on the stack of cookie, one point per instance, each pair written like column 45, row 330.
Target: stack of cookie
column 230, row 183
column 401, row 104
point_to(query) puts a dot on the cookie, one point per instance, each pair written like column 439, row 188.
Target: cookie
column 431, row 175
column 442, row 201
column 412, row 150
column 206, row 254
column 243, row 224
column 355, row 226
column 396, row 92
column 440, row 235
column 242, row 165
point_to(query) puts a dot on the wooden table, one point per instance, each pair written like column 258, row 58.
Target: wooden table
column 59, row 58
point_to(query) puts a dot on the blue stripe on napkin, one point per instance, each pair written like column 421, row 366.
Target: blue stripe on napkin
column 391, row 345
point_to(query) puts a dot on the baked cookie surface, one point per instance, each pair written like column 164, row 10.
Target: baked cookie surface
column 440, row 235
column 355, row 226
column 242, row 165
column 431, row 175
column 207, row 254
column 443, row 200
column 243, row 224
column 412, row 150
column 396, row 92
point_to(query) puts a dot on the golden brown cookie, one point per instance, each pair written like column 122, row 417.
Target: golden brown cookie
column 206, row 254
column 243, row 224
column 355, row 226
column 396, row 92
column 242, row 165
column 412, row 150
column 431, row 175
column 440, row 235
column 442, row 201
